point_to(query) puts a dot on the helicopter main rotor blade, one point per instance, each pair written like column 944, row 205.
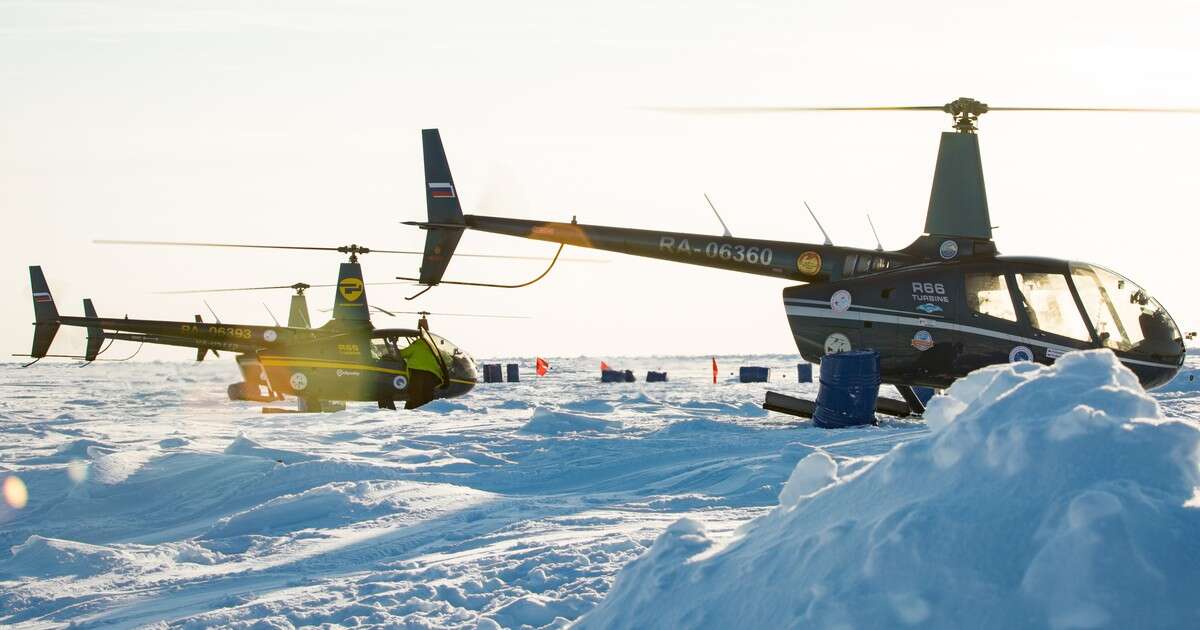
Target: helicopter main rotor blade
column 267, row 288
column 399, row 313
column 197, row 244
column 778, row 110
column 914, row 108
column 396, row 313
column 320, row 249
column 1152, row 110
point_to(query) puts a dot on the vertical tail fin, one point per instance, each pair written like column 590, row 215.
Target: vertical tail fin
column 95, row 334
column 298, row 314
column 350, row 299
column 45, row 315
column 441, row 200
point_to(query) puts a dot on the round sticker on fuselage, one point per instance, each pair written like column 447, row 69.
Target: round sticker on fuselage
column 298, row 381
column 837, row 342
column 809, row 263
column 1020, row 353
column 922, row 340
column 270, row 336
column 948, row 250
column 400, row 382
column 839, row 302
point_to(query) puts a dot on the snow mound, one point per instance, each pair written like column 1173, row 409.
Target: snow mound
column 1045, row 496
column 51, row 557
column 444, row 406
column 243, row 445
column 547, row 422
column 332, row 504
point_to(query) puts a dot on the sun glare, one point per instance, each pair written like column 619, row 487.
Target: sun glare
column 15, row 494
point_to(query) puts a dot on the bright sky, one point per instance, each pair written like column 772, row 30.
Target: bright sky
column 298, row 123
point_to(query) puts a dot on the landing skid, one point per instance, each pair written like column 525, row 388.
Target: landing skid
column 310, row 406
column 782, row 403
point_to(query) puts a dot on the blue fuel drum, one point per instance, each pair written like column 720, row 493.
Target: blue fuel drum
column 803, row 372
column 492, row 373
column 849, row 386
column 754, row 374
column 513, row 373
column 656, row 377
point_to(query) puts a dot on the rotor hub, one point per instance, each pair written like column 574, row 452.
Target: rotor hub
column 354, row 251
column 966, row 112
column 300, row 287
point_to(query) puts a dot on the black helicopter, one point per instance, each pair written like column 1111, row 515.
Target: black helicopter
column 347, row 359
column 935, row 310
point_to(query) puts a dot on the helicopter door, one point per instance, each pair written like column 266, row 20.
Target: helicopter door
column 1051, row 312
column 991, row 330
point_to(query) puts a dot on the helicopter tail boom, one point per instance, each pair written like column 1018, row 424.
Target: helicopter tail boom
column 805, row 262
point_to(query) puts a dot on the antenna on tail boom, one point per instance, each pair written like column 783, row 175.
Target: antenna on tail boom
column 878, row 244
column 727, row 233
column 819, row 227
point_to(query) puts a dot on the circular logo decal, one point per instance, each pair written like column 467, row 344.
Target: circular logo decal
column 922, row 340
column 837, row 342
column 1020, row 353
column 948, row 250
column 400, row 382
column 270, row 336
column 809, row 263
column 351, row 289
column 840, row 301
column 298, row 381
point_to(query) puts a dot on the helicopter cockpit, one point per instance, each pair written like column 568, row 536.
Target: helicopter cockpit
column 1125, row 317
column 386, row 348
column 459, row 365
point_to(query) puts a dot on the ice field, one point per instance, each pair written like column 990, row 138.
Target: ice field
column 1058, row 497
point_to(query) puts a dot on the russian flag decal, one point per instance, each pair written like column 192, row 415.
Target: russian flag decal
column 441, row 191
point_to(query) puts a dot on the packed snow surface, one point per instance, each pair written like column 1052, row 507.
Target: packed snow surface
column 1056, row 497
column 153, row 500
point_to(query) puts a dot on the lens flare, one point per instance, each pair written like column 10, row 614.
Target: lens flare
column 77, row 470
column 15, row 494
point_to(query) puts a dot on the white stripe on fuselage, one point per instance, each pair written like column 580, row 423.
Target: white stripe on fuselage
column 922, row 322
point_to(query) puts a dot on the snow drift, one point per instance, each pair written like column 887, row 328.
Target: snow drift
column 1045, row 496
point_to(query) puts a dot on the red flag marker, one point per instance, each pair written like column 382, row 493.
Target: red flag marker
column 714, row 370
column 542, row 366
column 603, row 366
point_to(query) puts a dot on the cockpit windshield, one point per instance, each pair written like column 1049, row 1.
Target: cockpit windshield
column 1125, row 317
column 459, row 364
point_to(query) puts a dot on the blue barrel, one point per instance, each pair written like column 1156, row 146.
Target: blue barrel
column 803, row 372
column 514, row 373
column 491, row 373
column 849, row 386
column 754, row 374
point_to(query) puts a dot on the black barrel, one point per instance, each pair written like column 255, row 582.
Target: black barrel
column 513, row 372
column 849, row 386
column 656, row 377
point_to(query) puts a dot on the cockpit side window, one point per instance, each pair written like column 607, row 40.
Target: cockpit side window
column 1051, row 307
column 987, row 294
